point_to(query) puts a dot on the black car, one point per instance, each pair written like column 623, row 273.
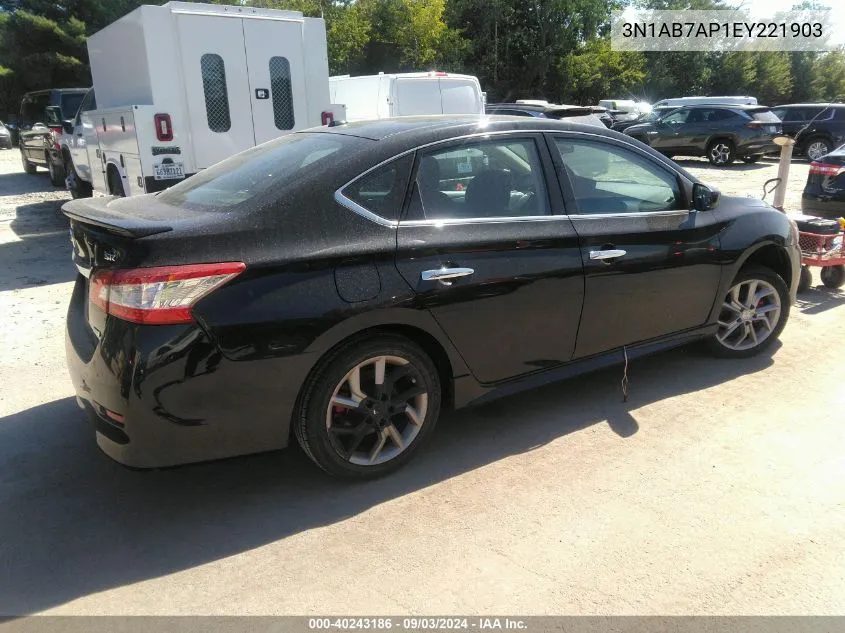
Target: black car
column 721, row 133
column 5, row 137
column 343, row 285
column 824, row 193
column 816, row 127
column 576, row 114
column 40, row 126
column 648, row 117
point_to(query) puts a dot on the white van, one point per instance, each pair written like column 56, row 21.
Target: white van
column 182, row 86
column 405, row 94
column 682, row 101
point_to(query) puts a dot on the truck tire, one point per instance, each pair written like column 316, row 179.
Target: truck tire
column 28, row 167
column 57, row 172
column 78, row 188
column 115, row 183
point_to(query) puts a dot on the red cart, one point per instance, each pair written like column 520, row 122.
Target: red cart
column 825, row 251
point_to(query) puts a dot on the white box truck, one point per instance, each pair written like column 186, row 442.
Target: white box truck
column 406, row 94
column 182, row 86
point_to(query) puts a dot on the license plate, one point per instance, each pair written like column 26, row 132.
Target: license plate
column 168, row 171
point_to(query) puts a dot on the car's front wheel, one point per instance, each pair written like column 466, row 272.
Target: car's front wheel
column 369, row 407
column 752, row 315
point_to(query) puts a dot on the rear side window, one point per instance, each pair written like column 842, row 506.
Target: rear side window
column 282, row 91
column 215, row 91
column 261, row 170
column 382, row 191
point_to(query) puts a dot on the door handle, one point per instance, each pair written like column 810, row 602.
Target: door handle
column 445, row 275
column 607, row 255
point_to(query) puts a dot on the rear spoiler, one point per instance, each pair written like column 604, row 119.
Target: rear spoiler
column 96, row 212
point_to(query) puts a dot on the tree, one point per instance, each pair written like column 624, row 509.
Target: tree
column 828, row 77
column 774, row 78
column 596, row 72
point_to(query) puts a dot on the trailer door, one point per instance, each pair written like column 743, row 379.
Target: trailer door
column 217, row 89
column 276, row 65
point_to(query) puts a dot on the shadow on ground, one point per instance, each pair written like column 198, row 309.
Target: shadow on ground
column 737, row 165
column 41, row 254
column 77, row 523
column 819, row 299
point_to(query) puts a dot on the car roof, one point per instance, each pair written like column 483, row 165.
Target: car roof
column 52, row 90
column 811, row 105
column 417, row 129
column 734, row 106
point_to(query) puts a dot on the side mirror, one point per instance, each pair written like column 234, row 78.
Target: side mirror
column 703, row 197
column 67, row 126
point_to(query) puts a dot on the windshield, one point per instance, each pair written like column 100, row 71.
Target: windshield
column 274, row 164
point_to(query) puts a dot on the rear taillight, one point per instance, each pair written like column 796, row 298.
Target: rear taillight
column 161, row 295
column 56, row 132
column 163, row 126
column 327, row 118
column 754, row 125
column 825, row 169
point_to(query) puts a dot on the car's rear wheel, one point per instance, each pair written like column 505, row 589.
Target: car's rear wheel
column 369, row 407
column 833, row 276
column 721, row 152
column 818, row 147
column 805, row 280
column 28, row 167
column 57, row 172
column 753, row 314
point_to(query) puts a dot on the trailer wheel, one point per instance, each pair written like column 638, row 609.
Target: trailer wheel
column 833, row 276
column 805, row 280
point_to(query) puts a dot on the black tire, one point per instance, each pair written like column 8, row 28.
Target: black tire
column 750, row 160
column 310, row 420
column 751, row 273
column 833, row 276
column 57, row 172
column 28, row 167
column 817, row 147
column 78, row 188
column 115, row 183
column 721, row 152
column 805, row 280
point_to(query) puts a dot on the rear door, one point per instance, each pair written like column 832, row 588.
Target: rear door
column 485, row 245
column 650, row 264
column 275, row 63
column 217, row 87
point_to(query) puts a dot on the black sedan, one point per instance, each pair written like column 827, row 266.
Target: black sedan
column 345, row 285
column 824, row 193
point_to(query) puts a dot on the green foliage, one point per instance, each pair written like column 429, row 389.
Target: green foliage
column 828, row 77
column 595, row 71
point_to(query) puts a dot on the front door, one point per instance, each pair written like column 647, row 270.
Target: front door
column 670, row 132
column 276, row 80
column 484, row 244
column 214, row 66
column 650, row 263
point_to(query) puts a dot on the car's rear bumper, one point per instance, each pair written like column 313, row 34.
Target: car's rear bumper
column 823, row 207
column 165, row 395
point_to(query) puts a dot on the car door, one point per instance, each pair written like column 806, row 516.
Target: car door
column 487, row 248
column 667, row 136
column 77, row 145
column 650, row 264
column 792, row 118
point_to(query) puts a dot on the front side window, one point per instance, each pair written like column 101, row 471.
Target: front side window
column 480, row 179
column 215, row 91
column 607, row 179
column 282, row 92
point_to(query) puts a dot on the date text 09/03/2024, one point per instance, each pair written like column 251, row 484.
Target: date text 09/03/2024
column 417, row 624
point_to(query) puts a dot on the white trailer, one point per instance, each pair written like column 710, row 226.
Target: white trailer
column 404, row 94
column 182, row 86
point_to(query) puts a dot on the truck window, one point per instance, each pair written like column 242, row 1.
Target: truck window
column 282, row 91
column 216, row 94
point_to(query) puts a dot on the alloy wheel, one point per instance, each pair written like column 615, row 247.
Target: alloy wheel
column 377, row 410
column 750, row 314
column 720, row 153
column 816, row 150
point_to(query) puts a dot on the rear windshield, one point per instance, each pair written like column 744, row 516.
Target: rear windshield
column 766, row 116
column 258, row 170
column 70, row 104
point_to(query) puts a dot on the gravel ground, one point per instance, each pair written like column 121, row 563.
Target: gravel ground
column 717, row 489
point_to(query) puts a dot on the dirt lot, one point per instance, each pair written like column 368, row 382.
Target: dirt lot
column 718, row 488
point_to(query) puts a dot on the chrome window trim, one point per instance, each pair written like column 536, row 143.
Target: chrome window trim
column 353, row 206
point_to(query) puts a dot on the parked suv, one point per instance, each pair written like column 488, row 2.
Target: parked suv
column 721, row 133
column 5, row 137
column 817, row 127
column 648, row 117
column 40, row 123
